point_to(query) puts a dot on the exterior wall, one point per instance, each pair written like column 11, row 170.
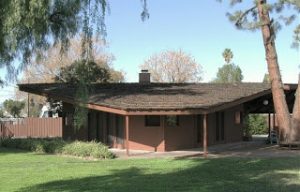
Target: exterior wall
column 182, row 136
column 211, row 129
column 145, row 138
column 110, row 129
column 232, row 132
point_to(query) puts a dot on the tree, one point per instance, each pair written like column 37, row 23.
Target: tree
column 83, row 71
column 14, row 107
column 173, row 66
column 258, row 17
column 30, row 26
column 47, row 69
column 229, row 73
column 256, row 124
column 227, row 55
column 1, row 113
column 266, row 78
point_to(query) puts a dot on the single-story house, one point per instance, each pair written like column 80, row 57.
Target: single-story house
column 162, row 116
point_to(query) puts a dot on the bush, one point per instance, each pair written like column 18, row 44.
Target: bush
column 256, row 124
column 87, row 149
column 59, row 146
column 35, row 145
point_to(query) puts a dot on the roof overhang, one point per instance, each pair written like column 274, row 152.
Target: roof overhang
column 120, row 111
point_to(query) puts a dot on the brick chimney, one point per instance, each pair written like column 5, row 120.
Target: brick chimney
column 144, row 76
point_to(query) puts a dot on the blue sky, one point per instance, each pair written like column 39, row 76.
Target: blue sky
column 199, row 28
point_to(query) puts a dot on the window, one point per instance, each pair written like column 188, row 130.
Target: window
column 172, row 120
column 238, row 117
column 152, row 120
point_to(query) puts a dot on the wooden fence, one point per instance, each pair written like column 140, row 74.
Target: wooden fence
column 31, row 127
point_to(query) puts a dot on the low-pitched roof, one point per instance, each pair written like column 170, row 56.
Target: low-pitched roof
column 204, row 97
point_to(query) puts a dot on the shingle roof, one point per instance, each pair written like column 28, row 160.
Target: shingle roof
column 155, row 96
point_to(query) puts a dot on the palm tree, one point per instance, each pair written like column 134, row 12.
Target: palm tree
column 228, row 55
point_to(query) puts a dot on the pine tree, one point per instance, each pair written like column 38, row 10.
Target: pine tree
column 258, row 17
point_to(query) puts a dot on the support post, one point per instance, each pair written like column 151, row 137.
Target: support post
column 127, row 134
column 104, row 125
column 205, row 135
column 269, row 122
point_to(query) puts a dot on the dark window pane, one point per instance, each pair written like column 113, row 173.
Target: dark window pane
column 152, row 120
column 172, row 120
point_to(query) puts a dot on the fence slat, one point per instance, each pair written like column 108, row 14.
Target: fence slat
column 32, row 127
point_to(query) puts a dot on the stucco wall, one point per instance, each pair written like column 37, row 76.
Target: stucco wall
column 145, row 138
column 102, row 126
column 182, row 136
column 232, row 132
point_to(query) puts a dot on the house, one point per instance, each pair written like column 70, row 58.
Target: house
column 162, row 116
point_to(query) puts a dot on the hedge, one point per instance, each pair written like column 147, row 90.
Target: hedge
column 58, row 146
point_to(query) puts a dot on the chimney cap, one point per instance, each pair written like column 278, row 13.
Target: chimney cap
column 145, row 71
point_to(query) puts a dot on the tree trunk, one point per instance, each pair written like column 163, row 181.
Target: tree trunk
column 295, row 131
column 280, row 104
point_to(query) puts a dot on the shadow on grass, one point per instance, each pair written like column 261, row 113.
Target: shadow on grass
column 215, row 175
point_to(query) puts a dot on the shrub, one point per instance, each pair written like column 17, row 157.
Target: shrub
column 35, row 145
column 59, row 146
column 256, row 124
column 87, row 149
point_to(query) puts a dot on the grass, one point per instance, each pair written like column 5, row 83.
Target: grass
column 25, row 171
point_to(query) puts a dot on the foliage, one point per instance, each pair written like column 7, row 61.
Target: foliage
column 25, row 172
column 34, row 108
column 81, row 112
column 256, row 124
column 284, row 12
column 47, row 69
column 59, row 146
column 14, row 107
column 227, row 55
column 229, row 73
column 87, row 149
column 82, row 73
column 266, row 78
column 1, row 83
column 86, row 71
column 54, row 145
column 30, row 26
column 269, row 17
column 1, row 113
column 173, row 66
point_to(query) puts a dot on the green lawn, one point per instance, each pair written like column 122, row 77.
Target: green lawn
column 21, row 171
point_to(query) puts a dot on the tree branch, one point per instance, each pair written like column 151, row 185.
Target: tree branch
column 238, row 23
